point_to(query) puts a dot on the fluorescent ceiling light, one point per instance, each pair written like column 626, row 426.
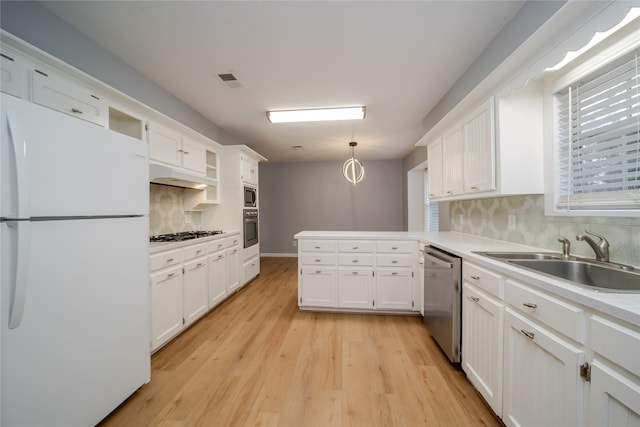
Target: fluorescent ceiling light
column 318, row 115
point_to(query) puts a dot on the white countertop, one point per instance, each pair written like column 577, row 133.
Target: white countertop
column 155, row 247
column 624, row 306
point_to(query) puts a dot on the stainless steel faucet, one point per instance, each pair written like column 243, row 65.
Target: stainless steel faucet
column 601, row 248
column 566, row 247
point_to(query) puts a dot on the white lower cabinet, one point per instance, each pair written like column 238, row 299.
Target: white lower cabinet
column 355, row 287
column 166, row 305
column 542, row 383
column 365, row 275
column 233, row 269
column 217, row 277
column 196, row 289
column 394, row 289
column 317, row 287
column 482, row 325
column 615, row 398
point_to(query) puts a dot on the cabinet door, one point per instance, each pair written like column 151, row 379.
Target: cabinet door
column 196, row 289
column 482, row 321
column 434, row 171
column 479, row 149
column 164, row 145
column 233, row 269
column 69, row 98
column 249, row 170
column 452, row 163
column 615, row 398
column 317, row 287
column 14, row 76
column 355, row 288
column 166, row 305
column 217, row 277
column 194, row 156
column 394, row 289
column 542, row 385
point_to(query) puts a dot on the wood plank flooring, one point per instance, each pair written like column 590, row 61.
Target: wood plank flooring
column 256, row 360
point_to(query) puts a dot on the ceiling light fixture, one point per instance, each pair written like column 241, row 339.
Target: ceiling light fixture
column 317, row 115
column 352, row 170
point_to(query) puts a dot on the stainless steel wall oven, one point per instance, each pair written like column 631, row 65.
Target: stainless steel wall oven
column 250, row 227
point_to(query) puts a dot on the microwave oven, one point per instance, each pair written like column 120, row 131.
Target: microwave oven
column 250, row 197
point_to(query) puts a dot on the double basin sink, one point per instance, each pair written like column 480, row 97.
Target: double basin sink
column 596, row 275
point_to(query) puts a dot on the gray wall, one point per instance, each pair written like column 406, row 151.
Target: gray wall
column 314, row 196
column 39, row 27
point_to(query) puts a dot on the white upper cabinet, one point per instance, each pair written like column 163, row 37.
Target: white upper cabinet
column 434, row 172
column 494, row 150
column 479, row 149
column 452, row 162
column 14, row 80
column 166, row 145
column 249, row 169
column 70, row 98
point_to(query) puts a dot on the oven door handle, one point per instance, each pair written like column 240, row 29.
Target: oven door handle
column 435, row 260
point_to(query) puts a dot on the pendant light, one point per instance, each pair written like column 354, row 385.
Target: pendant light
column 352, row 170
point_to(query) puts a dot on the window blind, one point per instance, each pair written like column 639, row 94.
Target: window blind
column 431, row 215
column 597, row 129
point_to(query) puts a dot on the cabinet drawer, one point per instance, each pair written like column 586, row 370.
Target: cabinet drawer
column 557, row 314
column 216, row 245
column 195, row 251
column 232, row 241
column 165, row 259
column 393, row 260
column 356, row 259
column 355, row 246
column 318, row 245
column 396, row 246
column 484, row 279
column 319, row 259
column 617, row 343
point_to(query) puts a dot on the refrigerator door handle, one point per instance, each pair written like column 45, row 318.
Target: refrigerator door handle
column 18, row 299
column 20, row 159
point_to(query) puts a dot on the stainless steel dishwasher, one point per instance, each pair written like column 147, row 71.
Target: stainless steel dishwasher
column 442, row 300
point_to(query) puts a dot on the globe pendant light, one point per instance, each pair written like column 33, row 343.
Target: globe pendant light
column 352, row 170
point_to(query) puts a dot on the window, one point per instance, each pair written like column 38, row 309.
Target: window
column 431, row 218
column 597, row 137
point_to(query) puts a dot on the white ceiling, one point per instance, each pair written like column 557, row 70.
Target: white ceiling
column 396, row 58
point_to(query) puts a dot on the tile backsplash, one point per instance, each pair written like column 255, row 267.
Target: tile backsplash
column 489, row 218
column 166, row 211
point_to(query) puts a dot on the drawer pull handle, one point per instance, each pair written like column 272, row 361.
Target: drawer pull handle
column 530, row 305
column 220, row 256
column 354, row 272
column 474, row 187
column 318, row 271
column 395, row 248
column 198, row 251
column 394, row 262
column 474, row 299
column 170, row 275
column 76, row 111
column 527, row 334
column 317, row 260
column 355, row 260
column 395, row 273
column 170, row 260
column 355, row 248
column 475, row 277
column 317, row 247
column 200, row 264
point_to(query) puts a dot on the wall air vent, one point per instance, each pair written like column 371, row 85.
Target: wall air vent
column 230, row 80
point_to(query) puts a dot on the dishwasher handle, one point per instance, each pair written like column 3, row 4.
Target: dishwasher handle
column 432, row 256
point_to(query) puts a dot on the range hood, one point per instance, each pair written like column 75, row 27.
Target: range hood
column 161, row 174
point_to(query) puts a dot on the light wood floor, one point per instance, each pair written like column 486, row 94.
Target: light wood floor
column 257, row 361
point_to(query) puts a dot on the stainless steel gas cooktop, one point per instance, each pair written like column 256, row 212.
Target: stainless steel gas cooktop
column 183, row 235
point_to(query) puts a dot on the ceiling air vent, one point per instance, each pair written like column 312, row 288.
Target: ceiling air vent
column 230, row 80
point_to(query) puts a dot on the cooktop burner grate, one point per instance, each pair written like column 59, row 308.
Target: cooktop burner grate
column 184, row 235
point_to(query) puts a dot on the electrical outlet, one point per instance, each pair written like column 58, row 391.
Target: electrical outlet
column 187, row 217
column 511, row 222
column 461, row 219
column 295, row 243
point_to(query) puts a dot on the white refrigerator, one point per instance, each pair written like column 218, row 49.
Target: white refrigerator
column 74, row 298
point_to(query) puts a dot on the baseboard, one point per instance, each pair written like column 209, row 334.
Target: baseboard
column 294, row 255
